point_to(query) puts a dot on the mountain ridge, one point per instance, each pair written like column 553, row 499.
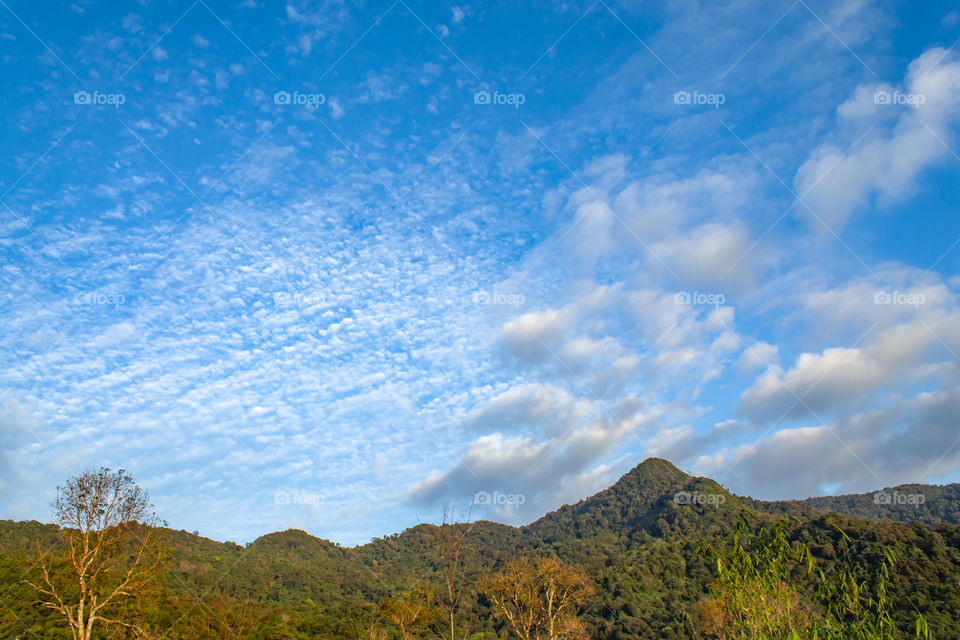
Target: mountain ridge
column 639, row 538
column 659, row 474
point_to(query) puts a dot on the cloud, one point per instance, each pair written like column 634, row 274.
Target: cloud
column 534, row 336
column 708, row 254
column 21, row 487
column 529, row 407
column 760, row 355
column 834, row 182
column 553, row 455
column 913, row 441
column 336, row 109
column 315, row 22
column 313, row 323
column 836, row 377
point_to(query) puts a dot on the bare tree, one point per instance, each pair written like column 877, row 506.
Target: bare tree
column 112, row 557
column 451, row 542
column 538, row 599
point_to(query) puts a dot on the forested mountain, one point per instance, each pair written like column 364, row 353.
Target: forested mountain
column 929, row 504
column 640, row 541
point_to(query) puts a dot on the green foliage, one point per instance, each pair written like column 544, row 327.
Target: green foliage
column 930, row 504
column 760, row 593
column 753, row 596
column 641, row 549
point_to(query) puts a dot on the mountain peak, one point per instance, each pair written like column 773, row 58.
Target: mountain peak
column 651, row 479
column 657, row 467
column 291, row 539
column 634, row 501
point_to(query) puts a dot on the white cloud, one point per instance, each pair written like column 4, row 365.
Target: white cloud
column 712, row 253
column 886, row 164
column 912, row 441
column 760, row 355
column 894, row 358
column 555, row 457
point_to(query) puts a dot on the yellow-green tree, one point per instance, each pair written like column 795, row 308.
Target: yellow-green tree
column 411, row 612
column 757, row 596
column 540, row 598
column 112, row 557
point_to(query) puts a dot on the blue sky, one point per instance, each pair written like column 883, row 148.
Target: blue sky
column 327, row 265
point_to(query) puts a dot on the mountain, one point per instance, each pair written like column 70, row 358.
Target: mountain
column 929, row 504
column 639, row 540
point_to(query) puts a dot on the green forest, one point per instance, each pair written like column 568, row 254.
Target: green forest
column 632, row 561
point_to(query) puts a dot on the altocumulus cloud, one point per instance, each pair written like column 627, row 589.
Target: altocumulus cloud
column 304, row 324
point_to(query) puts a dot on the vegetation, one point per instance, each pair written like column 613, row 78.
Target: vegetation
column 451, row 551
column 111, row 558
column 411, row 613
column 642, row 550
column 539, row 598
column 929, row 504
column 757, row 595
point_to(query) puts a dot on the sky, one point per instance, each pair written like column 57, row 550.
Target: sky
column 329, row 266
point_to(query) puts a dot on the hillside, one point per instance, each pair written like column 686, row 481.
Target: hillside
column 638, row 539
column 929, row 504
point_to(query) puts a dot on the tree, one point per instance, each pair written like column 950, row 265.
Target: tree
column 538, row 599
column 855, row 608
column 410, row 612
column 752, row 598
column 233, row 616
column 564, row 588
column 451, row 542
column 112, row 556
column 756, row 594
